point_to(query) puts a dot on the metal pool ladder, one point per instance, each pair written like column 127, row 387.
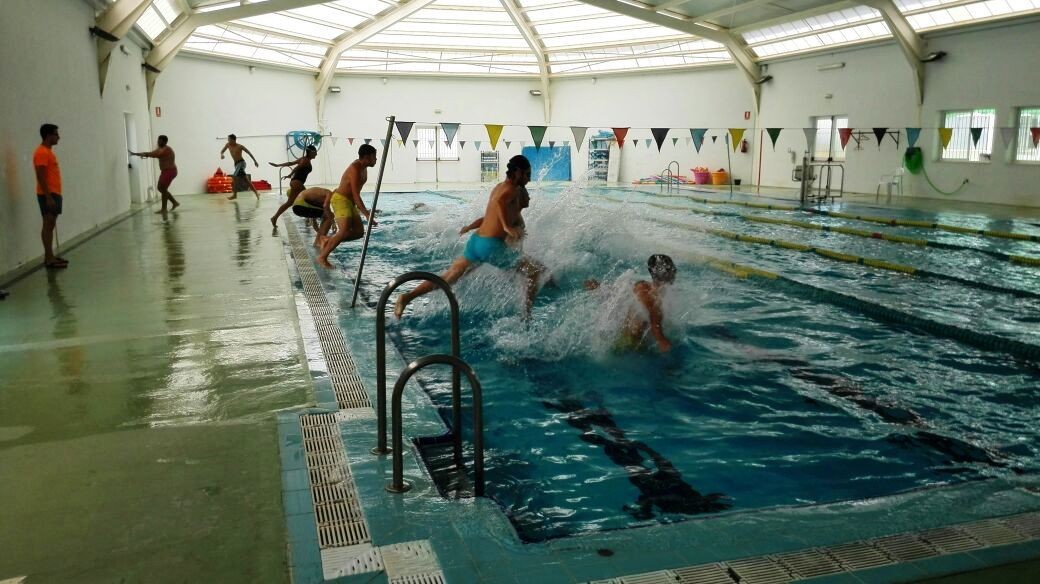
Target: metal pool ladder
column 397, row 485
column 670, row 178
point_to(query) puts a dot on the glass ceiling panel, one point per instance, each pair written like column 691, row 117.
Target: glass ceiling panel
column 167, row 9
column 410, row 39
column 537, row 15
column 151, row 23
column 330, row 15
column 486, row 16
column 600, row 38
column 372, row 7
column 463, row 29
column 585, row 24
column 814, row 23
column 295, row 26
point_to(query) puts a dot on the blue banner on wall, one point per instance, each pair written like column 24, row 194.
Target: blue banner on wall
column 549, row 163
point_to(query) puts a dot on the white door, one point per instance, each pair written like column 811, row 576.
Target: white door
column 133, row 163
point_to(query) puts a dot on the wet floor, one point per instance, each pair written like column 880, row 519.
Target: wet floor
column 137, row 440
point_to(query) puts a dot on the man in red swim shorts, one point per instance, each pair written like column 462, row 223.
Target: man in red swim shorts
column 167, row 170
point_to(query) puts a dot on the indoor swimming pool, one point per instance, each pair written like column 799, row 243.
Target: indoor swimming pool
column 810, row 379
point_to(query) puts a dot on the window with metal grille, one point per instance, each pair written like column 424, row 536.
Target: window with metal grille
column 827, row 145
column 962, row 144
column 1028, row 117
column 432, row 145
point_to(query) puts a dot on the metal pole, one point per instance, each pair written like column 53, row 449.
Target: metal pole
column 456, row 391
column 372, row 215
column 729, row 166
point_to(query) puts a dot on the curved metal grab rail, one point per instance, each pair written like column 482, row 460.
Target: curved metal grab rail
column 397, row 485
column 456, row 391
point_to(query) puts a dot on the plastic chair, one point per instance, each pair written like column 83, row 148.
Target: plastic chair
column 891, row 181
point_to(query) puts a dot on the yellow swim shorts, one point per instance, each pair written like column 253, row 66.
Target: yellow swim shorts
column 342, row 207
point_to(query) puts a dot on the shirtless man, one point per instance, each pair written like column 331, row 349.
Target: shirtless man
column 297, row 178
column 239, row 180
column 498, row 233
column 347, row 206
column 167, row 171
column 647, row 316
column 313, row 203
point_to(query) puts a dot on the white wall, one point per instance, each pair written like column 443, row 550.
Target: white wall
column 48, row 64
column 203, row 99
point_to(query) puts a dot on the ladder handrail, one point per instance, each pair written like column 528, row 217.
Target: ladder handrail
column 397, row 485
column 372, row 212
column 456, row 391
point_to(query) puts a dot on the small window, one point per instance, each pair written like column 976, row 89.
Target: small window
column 828, row 142
column 962, row 146
column 1028, row 117
column 438, row 150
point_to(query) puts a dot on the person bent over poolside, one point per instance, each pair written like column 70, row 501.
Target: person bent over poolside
column 647, row 316
column 501, row 226
column 347, row 206
column 314, row 203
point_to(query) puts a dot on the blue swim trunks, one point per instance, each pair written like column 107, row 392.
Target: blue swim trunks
column 490, row 250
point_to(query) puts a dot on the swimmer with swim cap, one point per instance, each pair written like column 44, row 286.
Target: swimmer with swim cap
column 647, row 316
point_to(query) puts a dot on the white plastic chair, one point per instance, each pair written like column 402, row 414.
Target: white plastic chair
column 892, row 182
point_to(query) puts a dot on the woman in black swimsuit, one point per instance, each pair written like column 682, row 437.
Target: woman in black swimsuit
column 297, row 180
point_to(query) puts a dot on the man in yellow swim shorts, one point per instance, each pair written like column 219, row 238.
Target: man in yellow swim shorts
column 314, row 203
column 346, row 203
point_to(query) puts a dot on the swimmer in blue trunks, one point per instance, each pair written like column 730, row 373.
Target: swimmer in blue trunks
column 239, row 179
column 497, row 237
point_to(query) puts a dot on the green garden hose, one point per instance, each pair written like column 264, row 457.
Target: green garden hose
column 913, row 160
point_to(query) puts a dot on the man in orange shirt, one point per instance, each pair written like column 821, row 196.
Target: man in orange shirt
column 48, row 192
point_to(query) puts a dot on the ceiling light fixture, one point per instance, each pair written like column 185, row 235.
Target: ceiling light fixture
column 334, row 89
column 831, row 66
column 535, row 92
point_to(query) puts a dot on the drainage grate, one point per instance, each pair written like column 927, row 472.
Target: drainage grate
column 431, row 578
column 1028, row 524
column 704, row 574
column 761, row 570
column 809, row 563
column 410, row 560
column 661, row 577
column 350, row 560
column 992, row 532
column 950, row 540
column 858, row 555
column 905, row 547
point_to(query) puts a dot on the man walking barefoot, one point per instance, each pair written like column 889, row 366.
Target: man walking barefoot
column 239, row 179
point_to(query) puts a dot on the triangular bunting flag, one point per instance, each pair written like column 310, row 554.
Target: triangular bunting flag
column 351, row 140
column 774, row 133
column 462, row 144
column 735, row 135
column 400, row 142
column 537, row 132
column 476, row 144
column 688, row 141
column 431, row 143
column 382, row 143
column 1035, row 132
column 697, row 135
column 368, row 140
column 449, row 132
column 844, row 134
column 659, row 135
column 647, row 142
column 620, row 134
column 674, row 141
column 714, row 137
column 404, row 128
column 879, row 133
column 494, row 132
column 1007, row 135
column 810, row 138
column 566, row 143
column 976, row 133
column 635, row 143
column 447, row 144
column 523, row 143
column 415, row 143
column 912, row 134
column 507, row 144
column 552, row 143
column 579, row 135
column 944, row 136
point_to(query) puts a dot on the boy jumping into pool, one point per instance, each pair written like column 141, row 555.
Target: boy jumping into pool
column 347, row 206
column 498, row 233
column 647, row 316
column 313, row 203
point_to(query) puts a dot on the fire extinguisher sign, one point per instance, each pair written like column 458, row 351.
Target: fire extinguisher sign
column 747, row 115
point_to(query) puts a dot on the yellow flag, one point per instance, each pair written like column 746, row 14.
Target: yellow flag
column 944, row 136
column 735, row 134
column 494, row 132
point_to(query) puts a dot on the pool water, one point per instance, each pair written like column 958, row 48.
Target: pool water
column 770, row 397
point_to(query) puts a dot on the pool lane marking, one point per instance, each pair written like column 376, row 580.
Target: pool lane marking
column 836, row 255
column 865, row 218
column 1015, row 259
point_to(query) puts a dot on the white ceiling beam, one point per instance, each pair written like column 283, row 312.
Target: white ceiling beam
column 910, row 43
column 249, row 10
column 531, row 37
column 114, row 23
column 742, row 57
column 346, row 42
column 825, row 9
column 734, row 9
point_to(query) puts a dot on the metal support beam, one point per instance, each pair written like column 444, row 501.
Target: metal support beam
column 535, row 43
column 742, row 57
column 910, row 43
column 734, row 9
column 346, row 42
column 116, row 21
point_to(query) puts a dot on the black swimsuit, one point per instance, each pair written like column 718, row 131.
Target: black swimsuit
column 301, row 173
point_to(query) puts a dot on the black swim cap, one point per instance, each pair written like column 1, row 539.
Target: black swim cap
column 661, row 267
